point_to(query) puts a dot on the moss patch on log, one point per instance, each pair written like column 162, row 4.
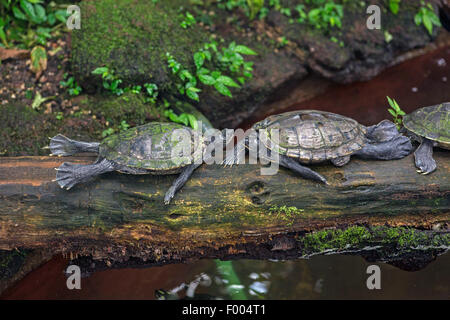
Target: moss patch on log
column 360, row 237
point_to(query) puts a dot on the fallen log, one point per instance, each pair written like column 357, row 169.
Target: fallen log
column 227, row 212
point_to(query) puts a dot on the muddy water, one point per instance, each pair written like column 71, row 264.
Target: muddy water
column 322, row 277
column 419, row 82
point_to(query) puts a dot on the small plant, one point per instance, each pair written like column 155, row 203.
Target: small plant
column 427, row 17
column 229, row 59
column 39, row 100
column 396, row 112
column 123, row 126
column 302, row 15
column 185, row 118
column 188, row 20
column 72, row 87
column 189, row 82
column 254, row 6
column 107, row 132
column 330, row 14
column 110, row 81
column 394, row 6
column 152, row 92
column 282, row 42
column 26, row 23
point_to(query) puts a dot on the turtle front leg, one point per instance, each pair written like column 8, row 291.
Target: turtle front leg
column 180, row 181
column 305, row 172
column 397, row 148
column 69, row 174
column 63, row 146
column 424, row 157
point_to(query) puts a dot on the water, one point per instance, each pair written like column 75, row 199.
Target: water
column 321, row 277
column 419, row 82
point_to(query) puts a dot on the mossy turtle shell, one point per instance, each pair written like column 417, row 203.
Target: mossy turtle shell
column 154, row 146
column 312, row 136
column 431, row 122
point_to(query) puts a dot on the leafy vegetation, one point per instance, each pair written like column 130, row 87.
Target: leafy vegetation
column 396, row 112
column 229, row 59
column 394, row 6
column 71, row 85
column 26, row 23
column 427, row 17
column 185, row 118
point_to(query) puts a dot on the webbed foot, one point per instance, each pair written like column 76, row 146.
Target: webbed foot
column 62, row 146
column 424, row 157
column 67, row 175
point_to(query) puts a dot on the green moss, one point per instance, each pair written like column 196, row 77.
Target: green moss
column 129, row 107
column 132, row 40
column 358, row 237
column 287, row 214
column 25, row 131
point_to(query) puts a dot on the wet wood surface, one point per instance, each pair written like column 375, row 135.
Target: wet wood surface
column 119, row 215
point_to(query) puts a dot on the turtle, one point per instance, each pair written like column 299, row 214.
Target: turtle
column 430, row 126
column 311, row 136
column 147, row 149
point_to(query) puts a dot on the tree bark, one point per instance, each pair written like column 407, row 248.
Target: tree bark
column 221, row 212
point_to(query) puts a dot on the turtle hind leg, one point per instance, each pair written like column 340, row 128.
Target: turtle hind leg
column 179, row 182
column 341, row 161
column 69, row 174
column 305, row 172
column 63, row 146
column 424, row 157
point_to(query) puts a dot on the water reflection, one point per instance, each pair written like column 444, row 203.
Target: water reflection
column 321, row 277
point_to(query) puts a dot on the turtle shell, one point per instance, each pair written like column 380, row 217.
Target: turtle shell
column 156, row 146
column 431, row 122
column 312, row 136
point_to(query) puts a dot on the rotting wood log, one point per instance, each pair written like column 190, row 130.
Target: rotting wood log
column 226, row 212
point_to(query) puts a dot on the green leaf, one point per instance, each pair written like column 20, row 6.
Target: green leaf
column 100, row 70
column 205, row 79
column 427, row 23
column 434, row 18
column 244, row 50
column 199, row 59
column 182, row 118
column 394, row 6
column 173, row 117
column 3, row 36
column 222, row 89
column 191, row 93
column 28, row 8
column 392, row 112
column 418, row 19
column 38, row 59
column 19, row 14
column 227, row 81
column 61, row 15
column 40, row 13
column 192, row 121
